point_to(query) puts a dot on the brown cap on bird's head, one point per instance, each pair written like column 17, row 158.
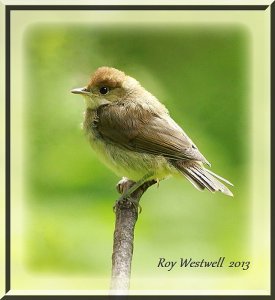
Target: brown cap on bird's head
column 107, row 76
column 108, row 83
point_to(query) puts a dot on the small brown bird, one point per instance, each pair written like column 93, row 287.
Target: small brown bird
column 135, row 136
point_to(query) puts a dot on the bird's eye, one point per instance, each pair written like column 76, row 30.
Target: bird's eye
column 104, row 90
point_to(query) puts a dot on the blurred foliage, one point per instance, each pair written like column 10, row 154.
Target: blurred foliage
column 201, row 75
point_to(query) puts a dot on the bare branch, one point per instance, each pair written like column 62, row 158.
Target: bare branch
column 126, row 217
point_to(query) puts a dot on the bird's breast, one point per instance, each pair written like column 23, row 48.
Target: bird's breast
column 123, row 162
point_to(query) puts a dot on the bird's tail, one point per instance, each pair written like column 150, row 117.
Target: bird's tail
column 202, row 178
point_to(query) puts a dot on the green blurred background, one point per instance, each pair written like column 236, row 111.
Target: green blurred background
column 201, row 75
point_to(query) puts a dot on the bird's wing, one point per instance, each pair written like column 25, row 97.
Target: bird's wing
column 140, row 130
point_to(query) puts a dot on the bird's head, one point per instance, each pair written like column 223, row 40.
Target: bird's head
column 107, row 85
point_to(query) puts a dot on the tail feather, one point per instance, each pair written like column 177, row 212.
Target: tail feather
column 196, row 184
column 219, row 177
column 202, row 178
column 216, row 183
column 199, row 178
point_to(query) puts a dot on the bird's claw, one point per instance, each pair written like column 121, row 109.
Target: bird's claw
column 125, row 200
column 157, row 180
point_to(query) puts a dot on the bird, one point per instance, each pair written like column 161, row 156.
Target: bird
column 133, row 133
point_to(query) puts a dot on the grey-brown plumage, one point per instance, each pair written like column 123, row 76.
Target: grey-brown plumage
column 134, row 134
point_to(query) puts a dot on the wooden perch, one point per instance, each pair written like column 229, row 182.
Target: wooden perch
column 126, row 217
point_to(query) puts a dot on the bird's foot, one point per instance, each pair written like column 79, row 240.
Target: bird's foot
column 124, row 184
column 126, row 188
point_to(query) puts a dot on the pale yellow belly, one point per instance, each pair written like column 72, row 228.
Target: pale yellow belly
column 132, row 165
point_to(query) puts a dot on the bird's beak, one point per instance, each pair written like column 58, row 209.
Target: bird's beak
column 82, row 91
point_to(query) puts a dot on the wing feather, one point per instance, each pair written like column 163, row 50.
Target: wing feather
column 137, row 129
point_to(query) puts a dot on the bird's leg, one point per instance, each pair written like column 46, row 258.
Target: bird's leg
column 122, row 186
column 127, row 187
column 136, row 185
